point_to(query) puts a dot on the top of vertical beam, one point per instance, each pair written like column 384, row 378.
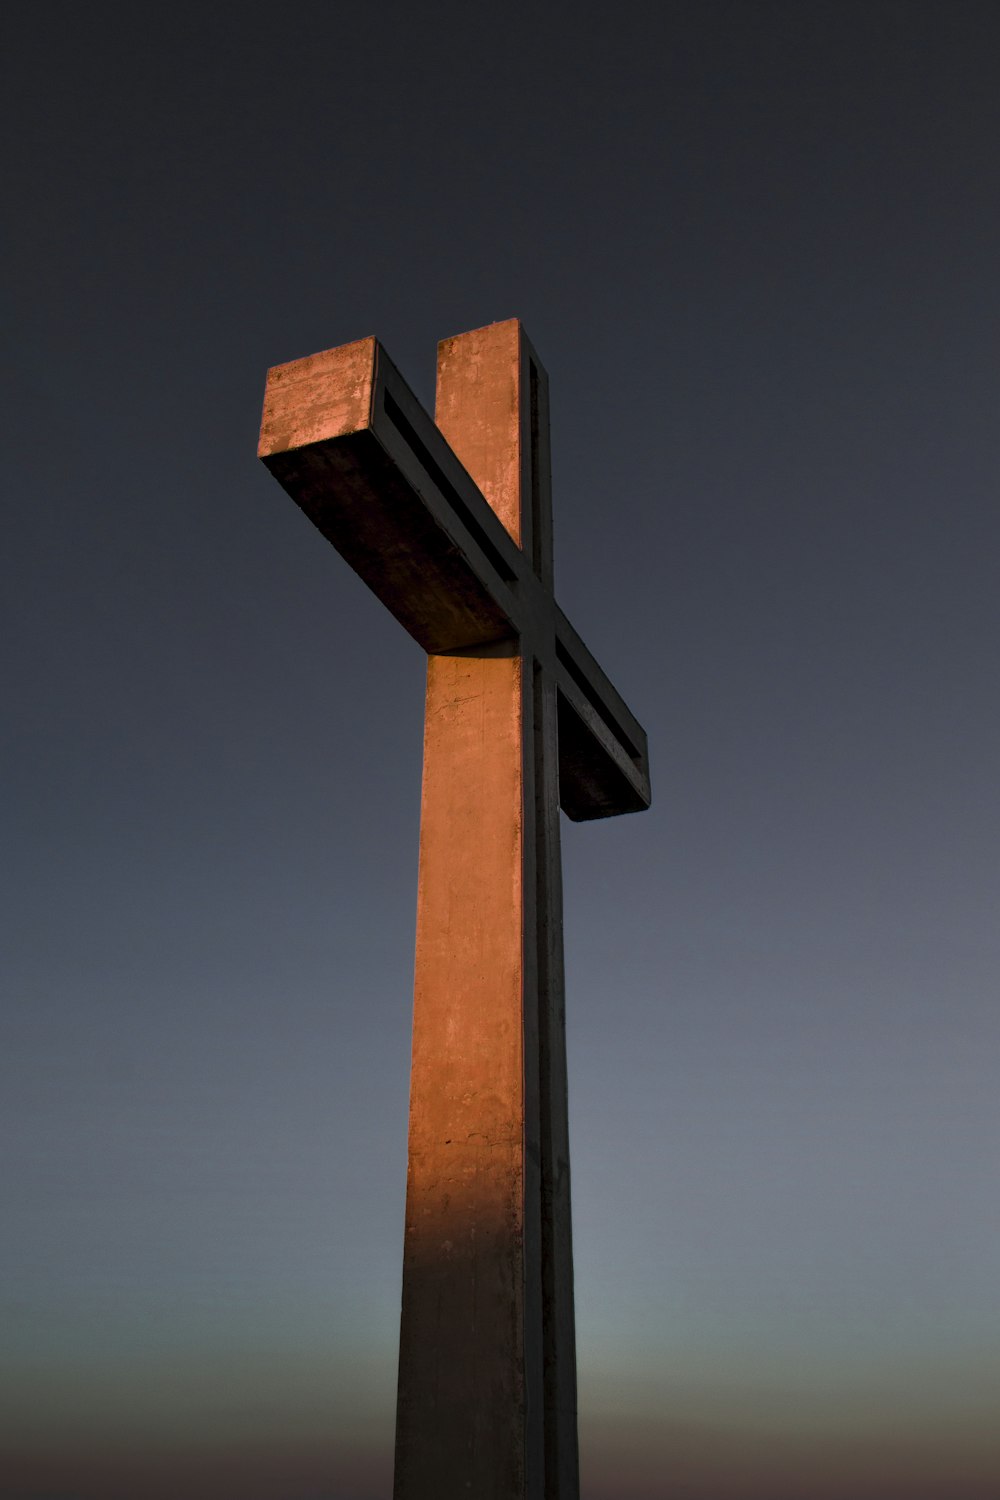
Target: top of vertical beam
column 492, row 407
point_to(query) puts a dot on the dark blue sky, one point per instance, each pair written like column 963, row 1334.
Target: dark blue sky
column 756, row 247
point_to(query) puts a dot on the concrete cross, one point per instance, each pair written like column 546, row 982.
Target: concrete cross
column 450, row 524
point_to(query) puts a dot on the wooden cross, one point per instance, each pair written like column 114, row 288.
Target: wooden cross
column 450, row 524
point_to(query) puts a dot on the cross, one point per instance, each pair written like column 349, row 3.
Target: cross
column 449, row 522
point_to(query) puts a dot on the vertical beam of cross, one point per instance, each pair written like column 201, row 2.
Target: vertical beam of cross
column 449, row 523
column 487, row 1383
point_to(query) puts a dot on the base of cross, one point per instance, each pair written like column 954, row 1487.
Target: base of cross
column 450, row 523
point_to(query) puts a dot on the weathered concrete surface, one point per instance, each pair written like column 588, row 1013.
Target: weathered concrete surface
column 480, row 410
column 320, row 397
column 464, row 1376
column 487, row 1393
column 450, row 525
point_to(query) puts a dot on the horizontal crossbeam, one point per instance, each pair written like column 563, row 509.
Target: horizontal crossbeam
column 345, row 436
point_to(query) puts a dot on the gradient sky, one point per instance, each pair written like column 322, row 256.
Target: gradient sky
column 756, row 246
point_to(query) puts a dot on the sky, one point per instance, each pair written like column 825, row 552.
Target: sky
column 755, row 244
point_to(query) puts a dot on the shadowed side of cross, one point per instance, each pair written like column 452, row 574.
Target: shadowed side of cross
column 450, row 525
column 347, row 439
